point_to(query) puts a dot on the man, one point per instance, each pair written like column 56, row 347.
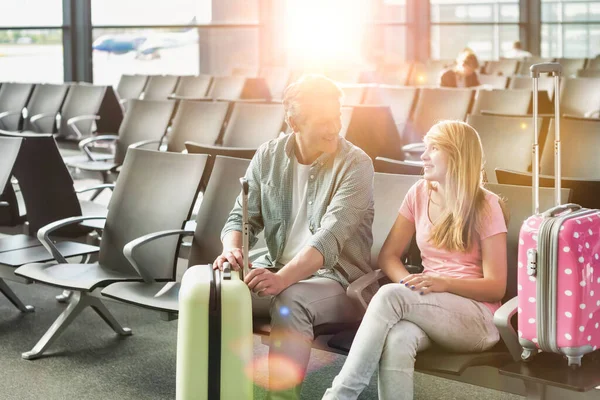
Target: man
column 312, row 193
column 517, row 51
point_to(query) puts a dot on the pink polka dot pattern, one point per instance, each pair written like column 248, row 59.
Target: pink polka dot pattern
column 578, row 285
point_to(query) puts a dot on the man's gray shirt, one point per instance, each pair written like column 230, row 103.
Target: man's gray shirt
column 339, row 197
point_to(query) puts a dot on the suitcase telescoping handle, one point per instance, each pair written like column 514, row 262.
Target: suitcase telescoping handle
column 556, row 70
column 245, row 233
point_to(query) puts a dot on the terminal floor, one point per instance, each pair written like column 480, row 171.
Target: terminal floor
column 90, row 362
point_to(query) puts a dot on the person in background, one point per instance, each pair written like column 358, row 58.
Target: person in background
column 460, row 228
column 517, row 52
column 463, row 74
column 311, row 192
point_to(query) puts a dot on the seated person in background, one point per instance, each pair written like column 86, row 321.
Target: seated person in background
column 517, row 51
column 463, row 74
column 461, row 231
column 312, row 193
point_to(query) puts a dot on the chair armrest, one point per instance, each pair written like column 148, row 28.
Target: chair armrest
column 85, row 143
column 72, row 121
column 355, row 289
column 191, row 98
column 592, row 114
column 43, row 234
column 130, row 247
column 25, row 134
column 414, row 147
column 502, row 318
column 7, row 113
column 145, row 143
column 110, row 186
column 239, row 152
column 33, row 120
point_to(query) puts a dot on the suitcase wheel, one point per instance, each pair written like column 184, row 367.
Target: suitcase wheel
column 527, row 354
column 574, row 361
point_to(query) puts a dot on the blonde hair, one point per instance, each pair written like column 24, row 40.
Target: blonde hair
column 306, row 91
column 464, row 193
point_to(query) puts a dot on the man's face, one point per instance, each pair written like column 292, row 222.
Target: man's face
column 319, row 126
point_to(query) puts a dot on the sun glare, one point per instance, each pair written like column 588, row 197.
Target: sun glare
column 325, row 33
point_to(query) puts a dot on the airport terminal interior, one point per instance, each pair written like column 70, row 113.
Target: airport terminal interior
column 125, row 122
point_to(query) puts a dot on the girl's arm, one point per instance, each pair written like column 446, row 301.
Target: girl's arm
column 490, row 288
column 394, row 247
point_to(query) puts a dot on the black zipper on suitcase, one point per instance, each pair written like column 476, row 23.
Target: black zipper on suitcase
column 214, row 336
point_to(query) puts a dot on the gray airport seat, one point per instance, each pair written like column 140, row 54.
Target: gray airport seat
column 580, row 141
column 583, row 191
column 160, row 87
column 227, row 87
column 528, row 62
column 13, row 99
column 197, row 121
column 502, row 101
column 394, row 74
column 400, row 99
column 145, row 123
column 506, row 141
column 9, row 150
column 277, row 79
column 426, row 74
column 494, row 81
column 525, row 82
column 130, row 87
column 217, row 201
column 79, row 112
column 48, row 196
column 249, row 126
column 579, row 96
column 353, row 94
column 593, row 63
column 570, row 66
column 155, row 192
column 389, row 166
column 434, row 105
column 588, row 73
column 43, row 107
column 504, row 67
column 192, row 86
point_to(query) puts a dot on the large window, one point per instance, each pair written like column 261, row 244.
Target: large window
column 391, row 20
column 31, row 41
column 570, row 28
column 488, row 27
column 179, row 37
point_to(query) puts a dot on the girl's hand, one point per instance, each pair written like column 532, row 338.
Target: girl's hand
column 425, row 283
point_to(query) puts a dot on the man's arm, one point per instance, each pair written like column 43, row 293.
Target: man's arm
column 348, row 206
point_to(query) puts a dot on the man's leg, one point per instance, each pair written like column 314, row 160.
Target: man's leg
column 294, row 313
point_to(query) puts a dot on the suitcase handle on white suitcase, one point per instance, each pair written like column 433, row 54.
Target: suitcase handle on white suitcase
column 554, row 211
column 550, row 68
column 556, row 70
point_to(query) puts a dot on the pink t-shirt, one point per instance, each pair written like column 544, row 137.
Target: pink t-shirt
column 454, row 264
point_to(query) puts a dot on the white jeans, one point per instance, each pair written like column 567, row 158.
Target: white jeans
column 399, row 323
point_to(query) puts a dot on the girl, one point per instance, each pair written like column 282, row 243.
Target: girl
column 461, row 232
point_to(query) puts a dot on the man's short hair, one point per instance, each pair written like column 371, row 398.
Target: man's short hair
column 517, row 44
column 307, row 90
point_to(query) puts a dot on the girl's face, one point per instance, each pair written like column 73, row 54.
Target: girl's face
column 435, row 162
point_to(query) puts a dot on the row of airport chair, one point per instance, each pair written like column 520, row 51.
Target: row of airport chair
column 162, row 87
column 428, row 73
column 128, row 270
column 71, row 110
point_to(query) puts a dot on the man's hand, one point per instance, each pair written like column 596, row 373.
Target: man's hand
column 233, row 255
column 264, row 282
column 425, row 283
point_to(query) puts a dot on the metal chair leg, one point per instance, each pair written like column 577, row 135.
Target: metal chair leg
column 12, row 297
column 64, row 296
column 77, row 303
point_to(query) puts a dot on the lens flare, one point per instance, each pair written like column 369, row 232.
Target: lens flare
column 283, row 373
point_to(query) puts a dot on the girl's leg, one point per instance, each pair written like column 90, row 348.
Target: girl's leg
column 396, row 368
column 451, row 321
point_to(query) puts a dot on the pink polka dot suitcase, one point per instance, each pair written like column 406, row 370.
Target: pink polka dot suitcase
column 558, row 267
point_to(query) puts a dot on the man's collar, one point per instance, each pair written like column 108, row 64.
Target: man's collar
column 290, row 146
